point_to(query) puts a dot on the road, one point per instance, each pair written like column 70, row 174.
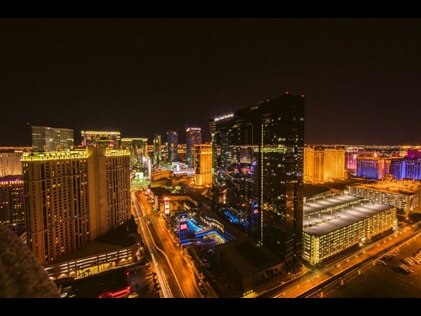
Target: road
column 384, row 280
column 176, row 267
column 157, row 260
column 314, row 278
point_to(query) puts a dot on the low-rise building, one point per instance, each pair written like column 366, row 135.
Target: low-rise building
column 247, row 266
column 405, row 195
column 334, row 224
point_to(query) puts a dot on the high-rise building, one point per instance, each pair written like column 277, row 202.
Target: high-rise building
column 109, row 189
column 10, row 164
column 258, row 178
column 182, row 152
column 373, row 167
column 73, row 197
column 11, row 200
column 351, row 155
column 138, row 148
column 56, row 202
column 412, row 152
column 324, row 164
column 193, row 137
column 408, row 167
column 46, row 138
column 157, row 155
column 172, row 140
column 203, row 164
column 108, row 139
column 212, row 129
column 405, row 195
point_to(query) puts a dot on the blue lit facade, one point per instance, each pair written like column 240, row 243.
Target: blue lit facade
column 182, row 226
column 368, row 168
column 406, row 169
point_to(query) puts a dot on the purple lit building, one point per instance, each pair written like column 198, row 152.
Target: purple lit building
column 373, row 167
column 414, row 154
column 368, row 167
column 406, row 168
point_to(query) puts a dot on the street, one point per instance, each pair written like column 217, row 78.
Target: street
column 174, row 270
column 314, row 278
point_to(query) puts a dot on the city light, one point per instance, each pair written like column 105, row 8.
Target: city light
column 223, row 117
column 138, row 188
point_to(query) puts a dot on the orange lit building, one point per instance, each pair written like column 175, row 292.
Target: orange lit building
column 10, row 160
column 203, row 164
column 72, row 197
column 324, row 164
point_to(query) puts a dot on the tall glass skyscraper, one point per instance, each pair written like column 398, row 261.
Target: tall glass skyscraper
column 46, row 138
column 157, row 156
column 258, row 176
column 193, row 137
column 172, row 140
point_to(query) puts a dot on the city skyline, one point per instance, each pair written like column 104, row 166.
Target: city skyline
column 104, row 74
column 210, row 158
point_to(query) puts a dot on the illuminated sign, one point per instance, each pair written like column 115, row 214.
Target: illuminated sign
column 118, row 294
column 223, row 117
column 183, row 226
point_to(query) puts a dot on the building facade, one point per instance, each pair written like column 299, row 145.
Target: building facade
column 73, row 197
column 258, row 176
column 333, row 224
column 56, row 202
column 138, row 148
column 203, row 164
column 108, row 139
column 193, row 137
column 182, row 152
column 10, row 164
column 373, row 167
column 46, row 138
column 172, row 143
column 12, row 199
column 405, row 195
column 109, row 189
column 157, row 154
column 406, row 168
column 324, row 164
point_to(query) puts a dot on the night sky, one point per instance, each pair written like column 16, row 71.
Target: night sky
column 361, row 78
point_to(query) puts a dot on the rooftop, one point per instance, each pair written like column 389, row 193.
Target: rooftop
column 116, row 239
column 129, row 139
column 316, row 205
column 247, row 257
column 160, row 191
column 393, row 186
column 324, row 223
column 14, row 149
column 100, row 132
column 55, row 155
column 116, row 152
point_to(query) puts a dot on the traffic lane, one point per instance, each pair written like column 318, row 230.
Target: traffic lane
column 162, row 237
column 299, row 287
column 183, row 269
